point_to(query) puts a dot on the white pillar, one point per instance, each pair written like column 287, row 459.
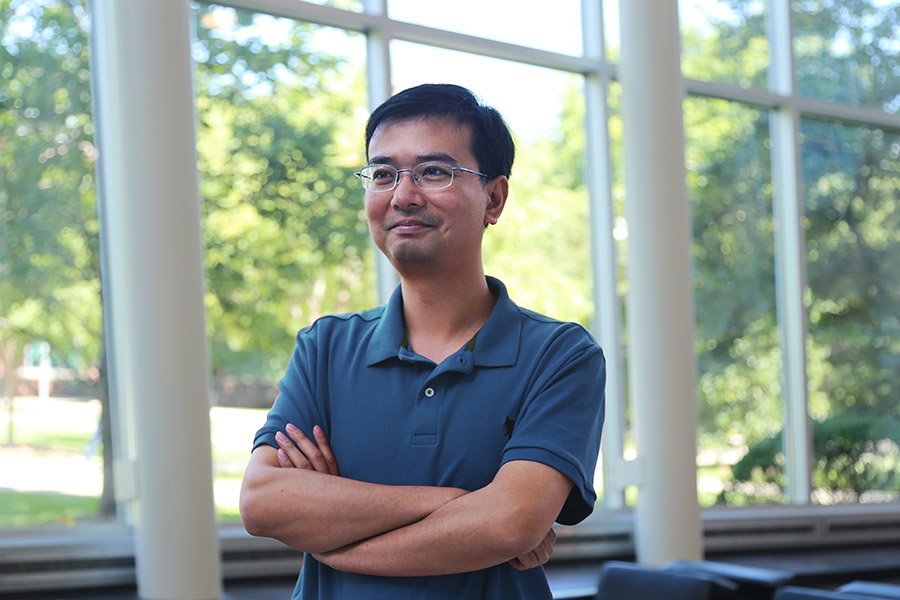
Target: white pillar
column 151, row 211
column 662, row 368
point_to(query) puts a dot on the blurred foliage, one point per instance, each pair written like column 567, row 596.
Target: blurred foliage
column 852, row 223
column 541, row 246
column 49, row 242
column 850, row 192
column 285, row 233
column 737, row 349
column 847, row 52
column 855, row 455
column 730, row 46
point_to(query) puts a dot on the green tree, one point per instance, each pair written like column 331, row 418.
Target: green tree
column 49, row 242
column 278, row 144
column 846, row 52
column 541, row 246
column 733, row 257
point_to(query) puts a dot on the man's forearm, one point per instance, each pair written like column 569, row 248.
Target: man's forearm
column 440, row 544
column 476, row 531
column 316, row 512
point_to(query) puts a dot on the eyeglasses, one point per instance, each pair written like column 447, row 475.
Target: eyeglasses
column 426, row 175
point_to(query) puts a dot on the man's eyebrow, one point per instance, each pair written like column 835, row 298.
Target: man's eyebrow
column 434, row 157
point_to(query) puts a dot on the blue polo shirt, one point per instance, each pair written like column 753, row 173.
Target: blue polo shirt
column 526, row 388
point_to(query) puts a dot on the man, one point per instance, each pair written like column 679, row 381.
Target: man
column 424, row 449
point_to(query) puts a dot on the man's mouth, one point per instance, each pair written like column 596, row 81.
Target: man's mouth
column 408, row 225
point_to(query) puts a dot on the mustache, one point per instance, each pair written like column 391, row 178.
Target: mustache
column 419, row 219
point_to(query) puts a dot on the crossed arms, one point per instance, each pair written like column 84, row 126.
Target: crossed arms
column 297, row 496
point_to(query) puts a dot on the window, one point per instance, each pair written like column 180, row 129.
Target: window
column 281, row 103
column 848, row 52
column 738, row 358
column 56, row 444
column 724, row 41
column 851, row 221
column 281, row 107
column 525, row 23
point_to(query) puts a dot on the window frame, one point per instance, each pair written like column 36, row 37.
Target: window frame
column 103, row 555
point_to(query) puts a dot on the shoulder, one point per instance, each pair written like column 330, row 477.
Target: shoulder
column 342, row 325
column 555, row 332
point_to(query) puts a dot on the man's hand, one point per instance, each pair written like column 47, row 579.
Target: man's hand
column 303, row 453
column 538, row 556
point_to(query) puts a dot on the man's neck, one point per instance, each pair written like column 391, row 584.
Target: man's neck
column 443, row 313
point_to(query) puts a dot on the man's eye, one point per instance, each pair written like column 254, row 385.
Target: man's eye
column 432, row 171
column 382, row 174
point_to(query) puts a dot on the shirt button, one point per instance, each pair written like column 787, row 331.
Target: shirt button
column 429, row 392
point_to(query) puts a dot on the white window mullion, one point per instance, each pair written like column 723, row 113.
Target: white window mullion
column 378, row 75
column 607, row 316
column 789, row 252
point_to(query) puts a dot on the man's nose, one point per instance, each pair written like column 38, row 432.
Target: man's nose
column 406, row 193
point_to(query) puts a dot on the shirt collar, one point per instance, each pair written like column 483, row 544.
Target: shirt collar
column 496, row 345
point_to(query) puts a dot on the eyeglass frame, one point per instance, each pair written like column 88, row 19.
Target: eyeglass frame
column 363, row 179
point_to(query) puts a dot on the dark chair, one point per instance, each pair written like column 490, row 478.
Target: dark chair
column 871, row 588
column 628, row 581
column 800, row 593
column 753, row 583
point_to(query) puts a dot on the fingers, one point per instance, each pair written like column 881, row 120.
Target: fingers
column 297, row 450
column 327, row 454
column 538, row 556
column 283, row 460
column 289, row 455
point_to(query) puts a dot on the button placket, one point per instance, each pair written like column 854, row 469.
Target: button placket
column 426, row 419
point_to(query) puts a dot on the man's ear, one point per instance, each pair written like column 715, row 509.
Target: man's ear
column 497, row 190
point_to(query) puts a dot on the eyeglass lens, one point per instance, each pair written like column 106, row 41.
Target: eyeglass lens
column 429, row 175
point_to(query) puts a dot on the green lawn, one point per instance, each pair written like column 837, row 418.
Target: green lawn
column 25, row 509
column 21, row 509
column 60, row 427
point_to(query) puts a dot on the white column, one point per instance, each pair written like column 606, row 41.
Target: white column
column 150, row 203
column 661, row 366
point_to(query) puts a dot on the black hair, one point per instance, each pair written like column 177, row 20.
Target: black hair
column 491, row 145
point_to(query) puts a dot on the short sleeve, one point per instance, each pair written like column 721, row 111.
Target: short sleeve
column 560, row 423
column 297, row 401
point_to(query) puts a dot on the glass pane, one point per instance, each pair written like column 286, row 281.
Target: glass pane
column 56, row 456
column 738, row 358
column 724, row 41
column 849, row 52
column 852, row 223
column 523, row 22
column 611, row 29
column 280, row 105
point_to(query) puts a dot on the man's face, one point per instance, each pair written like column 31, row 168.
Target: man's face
column 417, row 227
